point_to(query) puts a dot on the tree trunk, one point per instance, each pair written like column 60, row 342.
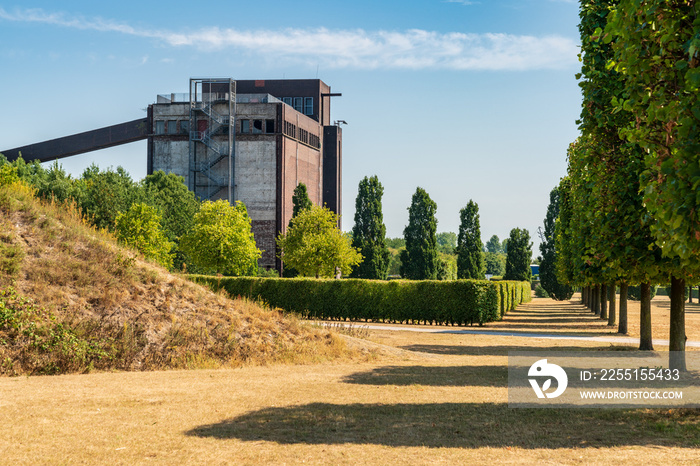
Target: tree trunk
column 622, row 328
column 583, row 295
column 604, row 301
column 596, row 300
column 611, row 311
column 645, row 343
column 677, row 338
column 690, row 294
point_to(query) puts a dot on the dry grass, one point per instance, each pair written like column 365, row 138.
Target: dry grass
column 139, row 315
column 449, row 408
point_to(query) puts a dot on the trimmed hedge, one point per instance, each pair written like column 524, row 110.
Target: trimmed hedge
column 458, row 302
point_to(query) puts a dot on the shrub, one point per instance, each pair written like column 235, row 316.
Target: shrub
column 428, row 301
column 633, row 292
column 34, row 341
column 139, row 228
column 668, row 292
column 541, row 292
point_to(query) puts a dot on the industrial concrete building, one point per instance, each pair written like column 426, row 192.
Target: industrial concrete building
column 249, row 141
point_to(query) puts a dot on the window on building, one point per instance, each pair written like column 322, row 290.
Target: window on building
column 298, row 104
column 184, row 126
column 257, row 126
column 245, row 126
column 172, row 126
column 160, row 127
column 287, row 100
column 269, row 126
column 308, row 105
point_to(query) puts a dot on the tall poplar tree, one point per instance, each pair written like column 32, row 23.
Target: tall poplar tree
column 519, row 256
column 470, row 260
column 548, row 277
column 300, row 200
column 369, row 232
column 300, row 203
column 419, row 261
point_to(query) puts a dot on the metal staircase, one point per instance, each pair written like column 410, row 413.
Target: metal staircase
column 212, row 119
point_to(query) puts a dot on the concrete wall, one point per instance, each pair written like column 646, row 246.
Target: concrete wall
column 171, row 152
column 256, row 186
column 172, row 157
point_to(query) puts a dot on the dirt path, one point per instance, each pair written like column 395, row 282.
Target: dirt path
column 552, row 320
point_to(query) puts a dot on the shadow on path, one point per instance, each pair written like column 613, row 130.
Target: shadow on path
column 502, row 350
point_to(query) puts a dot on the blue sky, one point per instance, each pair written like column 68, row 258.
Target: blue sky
column 467, row 99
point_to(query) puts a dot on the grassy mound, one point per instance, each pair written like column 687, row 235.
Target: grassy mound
column 72, row 300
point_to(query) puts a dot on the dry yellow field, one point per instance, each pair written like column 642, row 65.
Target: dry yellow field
column 444, row 402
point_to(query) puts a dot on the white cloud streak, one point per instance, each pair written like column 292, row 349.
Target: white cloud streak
column 358, row 49
column 462, row 2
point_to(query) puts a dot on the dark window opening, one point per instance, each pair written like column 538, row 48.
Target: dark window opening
column 184, row 126
column 172, row 126
column 269, row 126
column 287, row 100
column 298, row 104
column 245, row 126
column 160, row 127
column 257, row 126
column 308, row 106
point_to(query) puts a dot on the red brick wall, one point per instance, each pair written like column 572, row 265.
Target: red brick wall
column 265, row 234
column 302, row 165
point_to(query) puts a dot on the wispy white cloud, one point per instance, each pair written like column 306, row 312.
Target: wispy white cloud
column 357, row 48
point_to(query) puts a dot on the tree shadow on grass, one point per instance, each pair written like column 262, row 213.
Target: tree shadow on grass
column 458, row 425
column 436, row 376
column 502, row 350
column 690, row 308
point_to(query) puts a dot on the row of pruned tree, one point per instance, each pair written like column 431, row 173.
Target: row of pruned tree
column 629, row 205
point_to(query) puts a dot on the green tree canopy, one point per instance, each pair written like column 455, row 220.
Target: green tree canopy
column 368, row 234
column 395, row 243
column 470, row 261
column 447, row 242
column 300, row 200
column 177, row 204
column 107, row 193
column 495, row 263
column 494, row 245
column 419, row 261
column 519, row 256
column 221, row 240
column 548, row 275
column 657, row 50
column 315, row 246
column 139, row 228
